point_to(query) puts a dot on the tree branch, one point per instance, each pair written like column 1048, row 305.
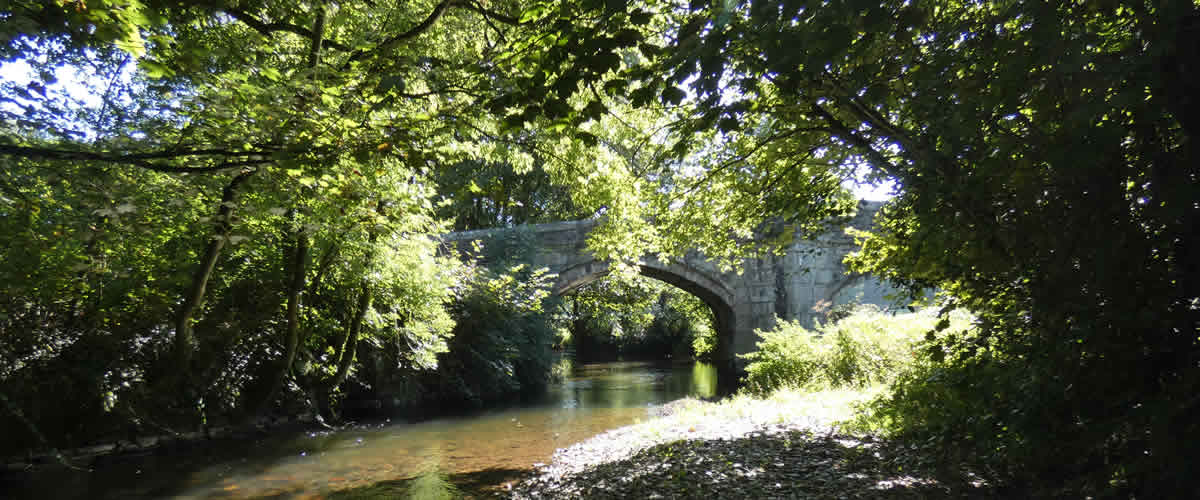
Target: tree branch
column 184, row 343
column 841, row 131
column 318, row 41
column 708, row 176
column 268, row 29
column 491, row 14
column 411, row 33
column 142, row 160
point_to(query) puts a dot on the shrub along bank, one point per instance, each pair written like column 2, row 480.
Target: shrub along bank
column 872, row 401
column 501, row 344
column 864, row 348
column 802, row 427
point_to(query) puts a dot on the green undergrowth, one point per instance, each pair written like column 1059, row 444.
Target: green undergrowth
column 786, row 406
column 868, row 347
column 805, row 391
column 831, row 376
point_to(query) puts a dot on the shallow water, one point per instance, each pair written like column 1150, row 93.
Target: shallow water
column 484, row 448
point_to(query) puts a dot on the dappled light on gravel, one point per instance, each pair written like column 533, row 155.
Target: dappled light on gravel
column 793, row 464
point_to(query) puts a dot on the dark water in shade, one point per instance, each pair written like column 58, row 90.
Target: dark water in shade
column 377, row 461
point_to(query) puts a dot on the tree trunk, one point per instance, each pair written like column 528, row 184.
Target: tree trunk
column 344, row 357
column 348, row 349
column 185, row 343
column 350, row 343
column 323, row 266
column 292, row 338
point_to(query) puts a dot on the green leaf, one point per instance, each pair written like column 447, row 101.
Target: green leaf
column 389, row 83
column 642, row 96
column 594, row 110
column 616, row 86
column 271, row 73
column 672, row 95
column 154, row 69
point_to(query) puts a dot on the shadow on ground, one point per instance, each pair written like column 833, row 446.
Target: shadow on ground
column 488, row 483
column 794, row 464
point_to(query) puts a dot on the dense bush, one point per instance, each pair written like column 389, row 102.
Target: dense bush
column 502, row 339
column 96, row 275
column 934, row 403
column 866, row 347
column 1010, row 412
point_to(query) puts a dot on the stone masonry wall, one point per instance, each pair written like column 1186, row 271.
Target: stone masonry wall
column 808, row 279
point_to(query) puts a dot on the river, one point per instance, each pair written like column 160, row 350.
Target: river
column 381, row 460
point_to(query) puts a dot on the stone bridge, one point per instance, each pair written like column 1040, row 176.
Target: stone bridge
column 796, row 285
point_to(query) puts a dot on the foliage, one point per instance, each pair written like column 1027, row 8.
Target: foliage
column 866, row 348
column 684, row 324
column 636, row 318
column 88, row 24
column 1064, row 223
column 1044, row 153
column 670, row 183
column 247, row 190
column 239, row 202
column 479, row 195
column 503, row 332
column 1045, row 158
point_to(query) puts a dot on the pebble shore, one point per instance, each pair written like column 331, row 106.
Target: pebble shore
column 757, row 450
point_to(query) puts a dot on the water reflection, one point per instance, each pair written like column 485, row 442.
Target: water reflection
column 432, row 485
column 420, row 460
column 633, row 384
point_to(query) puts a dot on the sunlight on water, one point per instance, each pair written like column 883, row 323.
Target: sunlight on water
column 416, row 460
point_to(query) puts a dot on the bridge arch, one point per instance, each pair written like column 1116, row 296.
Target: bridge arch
column 786, row 285
column 713, row 292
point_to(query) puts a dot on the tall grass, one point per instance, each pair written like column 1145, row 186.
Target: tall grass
column 868, row 347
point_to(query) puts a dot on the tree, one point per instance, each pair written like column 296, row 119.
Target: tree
column 1045, row 153
column 251, row 197
column 481, row 195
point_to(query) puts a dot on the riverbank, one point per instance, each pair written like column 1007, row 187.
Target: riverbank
column 784, row 446
column 84, row 457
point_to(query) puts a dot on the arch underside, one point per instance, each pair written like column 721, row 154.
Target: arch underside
column 709, row 290
column 714, row 294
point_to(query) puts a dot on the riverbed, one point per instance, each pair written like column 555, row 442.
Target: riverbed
column 486, row 449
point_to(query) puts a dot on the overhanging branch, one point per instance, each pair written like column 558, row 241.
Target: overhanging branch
column 411, row 33
column 843, row 132
column 267, row 29
column 232, row 159
column 489, row 14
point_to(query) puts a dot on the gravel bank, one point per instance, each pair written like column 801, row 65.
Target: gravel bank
column 749, row 449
